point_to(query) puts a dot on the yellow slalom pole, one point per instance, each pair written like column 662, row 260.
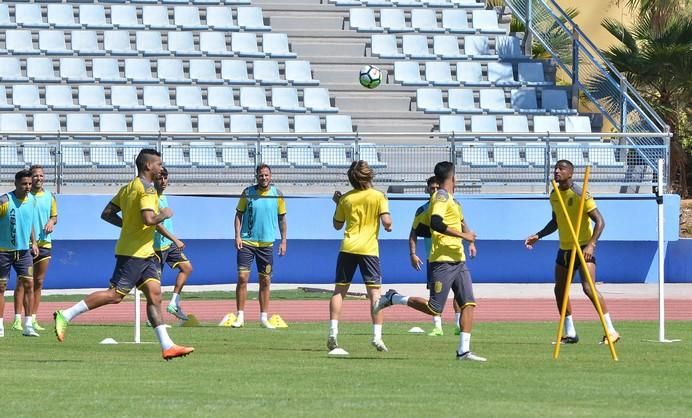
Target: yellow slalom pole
column 588, row 275
column 570, row 269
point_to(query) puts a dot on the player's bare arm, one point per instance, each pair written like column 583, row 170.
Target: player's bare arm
column 472, row 245
column 149, row 218
column 438, row 225
column 166, row 233
column 238, row 224
column 336, row 197
column 110, row 215
column 599, row 226
column 416, row 262
column 548, row 229
column 337, row 224
column 282, row 230
column 386, row 220
column 34, row 244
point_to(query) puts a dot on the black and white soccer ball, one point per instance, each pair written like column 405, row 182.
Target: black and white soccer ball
column 370, row 77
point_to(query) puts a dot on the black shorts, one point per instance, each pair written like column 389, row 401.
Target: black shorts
column 43, row 254
column 446, row 277
column 21, row 261
column 428, row 275
column 130, row 272
column 173, row 256
column 369, row 266
column 263, row 256
column 563, row 257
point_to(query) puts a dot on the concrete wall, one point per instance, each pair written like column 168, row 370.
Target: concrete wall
column 592, row 13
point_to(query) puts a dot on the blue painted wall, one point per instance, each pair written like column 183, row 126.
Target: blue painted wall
column 627, row 251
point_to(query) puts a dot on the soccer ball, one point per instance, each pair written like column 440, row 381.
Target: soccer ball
column 370, row 76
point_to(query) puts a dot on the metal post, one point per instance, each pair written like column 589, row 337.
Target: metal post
column 58, row 162
column 528, row 38
column 623, row 106
column 56, row 168
column 453, row 149
column 258, row 151
column 356, row 148
column 546, row 164
column 575, row 67
column 138, row 322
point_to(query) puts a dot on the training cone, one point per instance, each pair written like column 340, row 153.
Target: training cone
column 108, row 341
column 277, row 321
column 227, row 320
column 337, row 352
column 417, row 330
column 192, row 321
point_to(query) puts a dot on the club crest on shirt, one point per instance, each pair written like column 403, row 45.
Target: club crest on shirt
column 570, row 201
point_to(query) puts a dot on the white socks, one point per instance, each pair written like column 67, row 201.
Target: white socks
column 570, row 331
column 263, row 317
column 33, row 317
column 28, row 323
column 241, row 316
column 609, row 323
column 464, row 343
column 437, row 321
column 333, row 327
column 175, row 299
column 164, row 339
column 17, row 317
column 398, row 299
column 377, row 332
column 75, row 310
column 457, row 318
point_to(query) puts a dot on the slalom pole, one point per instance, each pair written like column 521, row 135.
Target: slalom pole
column 587, row 275
column 570, row 269
column 138, row 322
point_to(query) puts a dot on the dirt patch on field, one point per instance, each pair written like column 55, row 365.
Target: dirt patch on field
column 686, row 218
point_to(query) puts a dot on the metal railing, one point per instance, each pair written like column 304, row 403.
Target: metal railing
column 522, row 164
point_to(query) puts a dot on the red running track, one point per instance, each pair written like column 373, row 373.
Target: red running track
column 357, row 310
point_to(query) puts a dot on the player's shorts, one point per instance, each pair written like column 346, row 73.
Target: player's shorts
column 369, row 266
column 450, row 276
column 21, row 261
column 44, row 253
column 130, row 272
column 563, row 257
column 173, row 256
column 428, row 275
column 263, row 256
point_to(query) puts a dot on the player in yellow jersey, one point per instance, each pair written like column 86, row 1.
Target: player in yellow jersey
column 136, row 262
column 361, row 210
column 447, row 262
column 588, row 236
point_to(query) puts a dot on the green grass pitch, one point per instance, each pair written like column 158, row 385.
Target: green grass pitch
column 256, row 372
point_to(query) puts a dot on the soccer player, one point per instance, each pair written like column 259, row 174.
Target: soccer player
column 169, row 249
column 136, row 262
column 45, row 219
column 18, row 245
column 361, row 210
column 421, row 228
column 256, row 217
column 447, row 262
column 588, row 236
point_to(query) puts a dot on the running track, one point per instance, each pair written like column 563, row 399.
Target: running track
column 357, row 310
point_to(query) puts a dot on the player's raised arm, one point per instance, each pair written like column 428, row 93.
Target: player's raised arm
column 548, row 229
column 110, row 215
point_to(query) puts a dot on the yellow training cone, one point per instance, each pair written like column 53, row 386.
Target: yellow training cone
column 277, row 321
column 227, row 320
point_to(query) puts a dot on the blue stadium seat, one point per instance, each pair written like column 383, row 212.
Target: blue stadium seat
column 485, row 123
column 425, row 20
column 53, row 42
column 124, row 16
column 532, row 74
column 516, row 123
column 213, row 44
column 393, row 20
column 543, row 124
column 61, row 16
column 501, row 74
column 107, row 70
column 157, row 98
column 4, row 105
column 368, row 152
column 571, row 151
column 439, row 73
column 339, row 127
column 244, row 126
column 37, row 153
column 125, row 98
column 493, row 101
column 486, row 21
column 105, row 154
column 92, row 97
column 477, row 155
column 10, row 70
column 85, row 42
column 302, row 155
column 555, row 101
column 220, row 98
column 602, row 154
column 9, row 156
column 236, row 155
column 245, row 45
column 19, row 42
column 469, row 3
column 28, row 15
column 26, row 97
column 579, row 124
column 524, row 100
column 254, row 99
column 73, row 154
column 40, row 69
column 285, row 99
column 47, row 122
column 74, row 70
column 170, row 70
column 83, row 123
column 93, row 16
column 430, row 101
column 452, row 123
column 456, row 21
column 476, row 47
column 14, row 122
column 299, row 73
column 277, row 124
column 60, row 98
column 275, row 45
column 5, row 20
column 156, row 17
column 117, row 42
column 408, row 3
column 221, row 18
column 508, row 48
column 267, row 72
column 469, row 73
column 203, row 154
column 182, row 44
column 149, row 43
column 208, row 123
column 416, row 46
column 309, row 124
column 334, row 155
column 439, row 3
column 187, row 18
column 408, row 73
column 235, row 72
column 447, row 47
column 138, row 70
column 363, row 20
column 178, row 123
column 507, row 155
column 384, row 46
column 174, row 155
column 114, row 122
column 271, row 154
column 146, row 123
column 316, row 99
column 462, row 101
column 251, row 19
column 204, row 71
column 189, row 98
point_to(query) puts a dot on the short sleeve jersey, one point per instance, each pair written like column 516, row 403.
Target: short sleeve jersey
column 136, row 239
column 161, row 242
column 361, row 210
column 421, row 225
column 446, row 248
column 16, row 221
column 260, row 209
column 46, row 208
column 571, row 198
